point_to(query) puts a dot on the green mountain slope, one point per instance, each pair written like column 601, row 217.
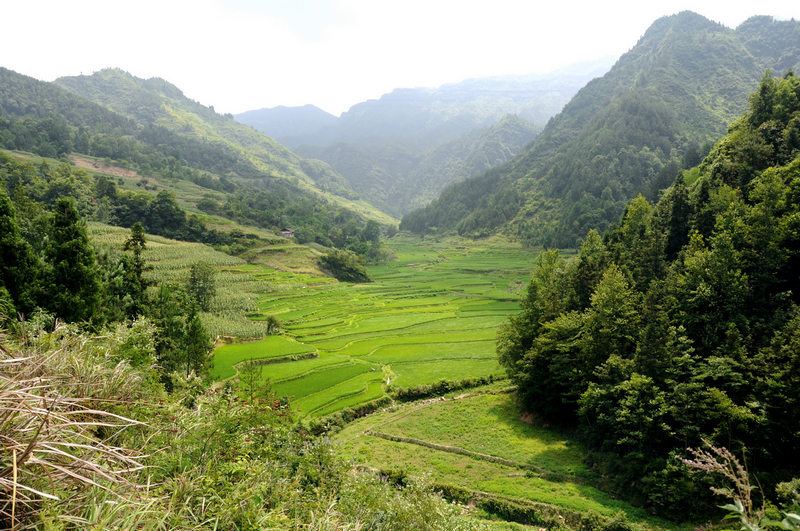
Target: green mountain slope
column 398, row 179
column 460, row 159
column 155, row 102
column 122, row 172
column 680, row 328
column 623, row 134
column 378, row 145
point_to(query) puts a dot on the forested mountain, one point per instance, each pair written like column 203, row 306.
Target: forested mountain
column 280, row 122
column 623, row 134
column 378, row 144
column 397, row 180
column 50, row 121
column 681, row 325
column 156, row 102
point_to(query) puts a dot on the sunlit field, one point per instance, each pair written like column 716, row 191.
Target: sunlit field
column 431, row 315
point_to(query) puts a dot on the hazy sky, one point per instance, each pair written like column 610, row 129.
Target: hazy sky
column 240, row 55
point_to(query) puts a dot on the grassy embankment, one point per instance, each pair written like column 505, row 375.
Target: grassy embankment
column 479, row 441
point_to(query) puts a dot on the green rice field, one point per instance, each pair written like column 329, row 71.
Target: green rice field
column 543, row 466
column 430, row 315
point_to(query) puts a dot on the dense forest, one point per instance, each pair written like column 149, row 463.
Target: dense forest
column 681, row 323
column 624, row 134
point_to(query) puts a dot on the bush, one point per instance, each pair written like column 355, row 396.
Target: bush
column 345, row 266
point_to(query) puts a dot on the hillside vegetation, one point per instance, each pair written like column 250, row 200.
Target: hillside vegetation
column 156, row 102
column 173, row 166
column 679, row 327
column 624, row 134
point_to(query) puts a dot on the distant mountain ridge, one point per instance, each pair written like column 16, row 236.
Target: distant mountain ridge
column 279, row 122
column 429, row 116
column 623, row 134
column 385, row 147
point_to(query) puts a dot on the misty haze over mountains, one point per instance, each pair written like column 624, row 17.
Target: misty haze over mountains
column 384, row 147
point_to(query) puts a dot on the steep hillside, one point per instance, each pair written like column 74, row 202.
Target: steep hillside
column 372, row 168
column 121, row 172
column 460, row 159
column 155, row 102
column 623, row 134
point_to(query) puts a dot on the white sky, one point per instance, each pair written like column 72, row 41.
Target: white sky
column 239, row 55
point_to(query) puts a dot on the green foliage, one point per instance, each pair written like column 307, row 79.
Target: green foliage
column 72, row 278
column 439, row 388
column 628, row 133
column 19, row 266
column 250, row 380
column 689, row 328
column 346, row 266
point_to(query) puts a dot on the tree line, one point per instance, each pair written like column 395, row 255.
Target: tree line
column 681, row 323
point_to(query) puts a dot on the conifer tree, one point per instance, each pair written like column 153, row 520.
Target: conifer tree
column 197, row 344
column 72, row 278
column 134, row 282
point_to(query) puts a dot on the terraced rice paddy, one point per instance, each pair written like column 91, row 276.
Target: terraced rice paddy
column 480, row 442
column 431, row 315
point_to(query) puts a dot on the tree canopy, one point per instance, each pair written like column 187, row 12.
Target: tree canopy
column 680, row 323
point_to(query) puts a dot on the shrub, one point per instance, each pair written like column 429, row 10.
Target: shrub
column 345, row 266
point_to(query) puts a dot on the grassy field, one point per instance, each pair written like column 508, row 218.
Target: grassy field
column 428, row 316
column 542, row 466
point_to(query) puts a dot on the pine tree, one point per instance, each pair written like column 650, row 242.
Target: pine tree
column 134, row 282
column 72, row 278
column 197, row 344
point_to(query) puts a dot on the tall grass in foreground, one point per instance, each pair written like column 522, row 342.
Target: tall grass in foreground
column 90, row 441
column 57, row 430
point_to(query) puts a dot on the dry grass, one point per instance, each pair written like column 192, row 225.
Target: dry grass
column 56, row 429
